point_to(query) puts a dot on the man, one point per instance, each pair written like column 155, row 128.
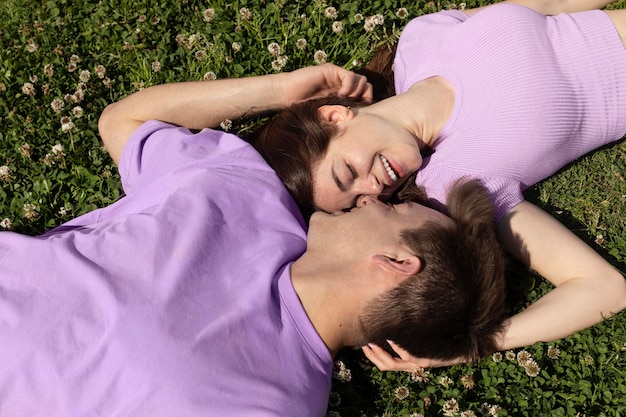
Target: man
column 197, row 293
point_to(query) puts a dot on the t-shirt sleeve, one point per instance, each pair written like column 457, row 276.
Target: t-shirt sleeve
column 157, row 148
column 419, row 45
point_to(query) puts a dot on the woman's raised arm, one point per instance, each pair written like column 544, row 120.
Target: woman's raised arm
column 554, row 7
column 200, row 104
column 588, row 289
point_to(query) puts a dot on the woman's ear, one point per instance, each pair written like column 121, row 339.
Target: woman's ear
column 407, row 266
column 334, row 113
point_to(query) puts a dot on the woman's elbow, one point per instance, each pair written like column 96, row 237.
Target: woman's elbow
column 106, row 123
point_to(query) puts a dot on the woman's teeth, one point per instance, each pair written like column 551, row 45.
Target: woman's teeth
column 390, row 171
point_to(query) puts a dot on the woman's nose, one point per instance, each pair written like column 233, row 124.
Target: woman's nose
column 369, row 186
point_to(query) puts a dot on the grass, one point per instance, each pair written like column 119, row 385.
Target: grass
column 62, row 61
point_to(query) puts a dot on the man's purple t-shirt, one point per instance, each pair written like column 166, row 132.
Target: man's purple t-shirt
column 533, row 93
column 174, row 301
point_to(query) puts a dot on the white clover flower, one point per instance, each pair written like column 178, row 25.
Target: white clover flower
column 33, row 79
column 377, row 19
column 108, row 83
column 57, row 105
column 142, row 18
column 532, row 368
column 32, row 47
column 245, row 13
column 57, row 150
column 369, row 26
column 66, row 124
column 358, row 18
column 3, row 87
column 402, row 393
column 468, row 413
column 274, row 49
column 402, row 13
column 331, row 12
column 523, row 357
column 553, row 352
column 48, row 70
column 156, row 66
column 200, row 55
column 510, row 355
column 78, row 96
column 71, row 67
column 446, row 381
column 468, row 381
column 301, row 43
column 341, row 372
column 494, row 410
column 320, row 57
column 30, row 211
column 5, row 173
column 101, row 71
column 75, row 59
column 497, row 357
column 85, row 76
column 236, row 46
column 6, row 224
column 226, row 124
column 208, row 14
column 210, row 75
column 337, row 26
column 450, row 407
column 420, row 375
column 416, row 415
column 25, row 150
column 28, row 89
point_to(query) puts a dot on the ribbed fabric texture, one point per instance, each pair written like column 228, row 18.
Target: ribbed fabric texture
column 533, row 93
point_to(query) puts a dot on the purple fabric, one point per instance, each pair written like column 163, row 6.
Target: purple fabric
column 174, row 301
column 533, row 93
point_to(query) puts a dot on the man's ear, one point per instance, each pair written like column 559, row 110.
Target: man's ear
column 333, row 113
column 407, row 266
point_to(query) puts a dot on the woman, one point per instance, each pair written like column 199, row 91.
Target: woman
column 504, row 93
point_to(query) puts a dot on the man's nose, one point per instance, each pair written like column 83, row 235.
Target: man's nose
column 364, row 200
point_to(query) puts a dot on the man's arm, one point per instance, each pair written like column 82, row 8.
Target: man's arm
column 201, row 104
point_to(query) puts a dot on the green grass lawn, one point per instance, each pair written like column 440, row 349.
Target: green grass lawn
column 63, row 61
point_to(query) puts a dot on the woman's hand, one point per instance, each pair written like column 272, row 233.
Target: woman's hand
column 405, row 362
column 324, row 80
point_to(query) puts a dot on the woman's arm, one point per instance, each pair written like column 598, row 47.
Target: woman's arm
column 588, row 289
column 554, row 7
column 201, row 104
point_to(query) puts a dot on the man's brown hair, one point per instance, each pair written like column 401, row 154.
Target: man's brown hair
column 454, row 307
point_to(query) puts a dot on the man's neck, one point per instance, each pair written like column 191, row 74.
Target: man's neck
column 325, row 307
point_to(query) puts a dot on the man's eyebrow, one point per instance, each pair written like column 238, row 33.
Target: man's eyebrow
column 340, row 185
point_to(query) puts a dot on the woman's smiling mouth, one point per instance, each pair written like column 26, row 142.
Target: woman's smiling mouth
column 392, row 174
